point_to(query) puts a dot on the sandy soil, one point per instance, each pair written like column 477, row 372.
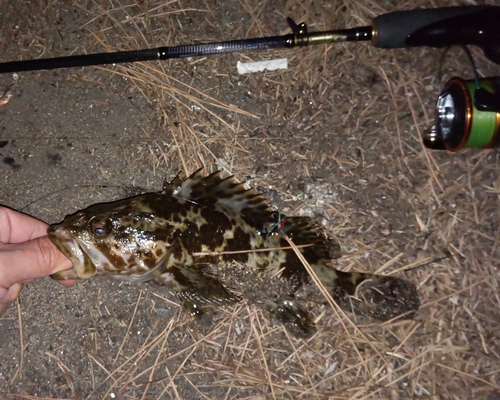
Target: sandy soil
column 335, row 137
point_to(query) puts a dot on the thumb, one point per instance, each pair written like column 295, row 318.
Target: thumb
column 23, row 262
column 7, row 296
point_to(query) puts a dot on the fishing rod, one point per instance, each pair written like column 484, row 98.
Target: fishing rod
column 467, row 113
column 437, row 27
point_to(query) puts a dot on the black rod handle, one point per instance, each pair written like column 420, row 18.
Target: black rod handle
column 392, row 29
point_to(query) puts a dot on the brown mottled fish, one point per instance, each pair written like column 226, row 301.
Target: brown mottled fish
column 158, row 237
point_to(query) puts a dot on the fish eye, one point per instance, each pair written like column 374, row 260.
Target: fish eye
column 100, row 231
column 99, row 228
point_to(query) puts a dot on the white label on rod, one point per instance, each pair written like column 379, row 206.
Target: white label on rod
column 258, row 66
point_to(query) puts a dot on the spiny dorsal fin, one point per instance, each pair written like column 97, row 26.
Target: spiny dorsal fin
column 218, row 191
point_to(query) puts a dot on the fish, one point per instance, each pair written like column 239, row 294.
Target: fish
column 189, row 236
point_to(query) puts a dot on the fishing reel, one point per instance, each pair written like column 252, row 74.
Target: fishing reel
column 467, row 113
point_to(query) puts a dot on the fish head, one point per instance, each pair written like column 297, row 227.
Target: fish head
column 122, row 239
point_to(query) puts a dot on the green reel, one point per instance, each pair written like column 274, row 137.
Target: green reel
column 467, row 113
column 467, row 116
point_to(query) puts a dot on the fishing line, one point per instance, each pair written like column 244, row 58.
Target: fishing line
column 135, row 188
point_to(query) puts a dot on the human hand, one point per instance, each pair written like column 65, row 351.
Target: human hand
column 26, row 253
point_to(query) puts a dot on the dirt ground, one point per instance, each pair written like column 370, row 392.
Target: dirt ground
column 335, row 137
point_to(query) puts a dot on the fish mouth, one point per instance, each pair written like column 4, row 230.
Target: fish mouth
column 68, row 245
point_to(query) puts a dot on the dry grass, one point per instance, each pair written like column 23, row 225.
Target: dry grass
column 337, row 136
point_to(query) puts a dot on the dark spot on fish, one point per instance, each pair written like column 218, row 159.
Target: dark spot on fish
column 190, row 238
column 175, row 217
column 3, row 143
column 154, row 202
column 212, row 239
column 114, row 257
column 150, row 262
column 181, row 210
column 161, row 234
column 177, row 251
column 217, row 224
column 240, row 241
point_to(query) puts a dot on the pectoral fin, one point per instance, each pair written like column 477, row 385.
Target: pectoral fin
column 196, row 290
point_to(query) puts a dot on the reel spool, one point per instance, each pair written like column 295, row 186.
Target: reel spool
column 467, row 114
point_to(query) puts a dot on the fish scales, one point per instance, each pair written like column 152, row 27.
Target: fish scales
column 173, row 237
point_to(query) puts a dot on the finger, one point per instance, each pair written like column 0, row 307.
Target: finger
column 7, row 296
column 17, row 227
column 68, row 283
column 36, row 258
column 10, row 294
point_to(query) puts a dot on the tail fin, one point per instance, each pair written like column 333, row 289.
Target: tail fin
column 385, row 297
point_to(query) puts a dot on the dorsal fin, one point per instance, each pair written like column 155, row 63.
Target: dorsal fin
column 215, row 190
